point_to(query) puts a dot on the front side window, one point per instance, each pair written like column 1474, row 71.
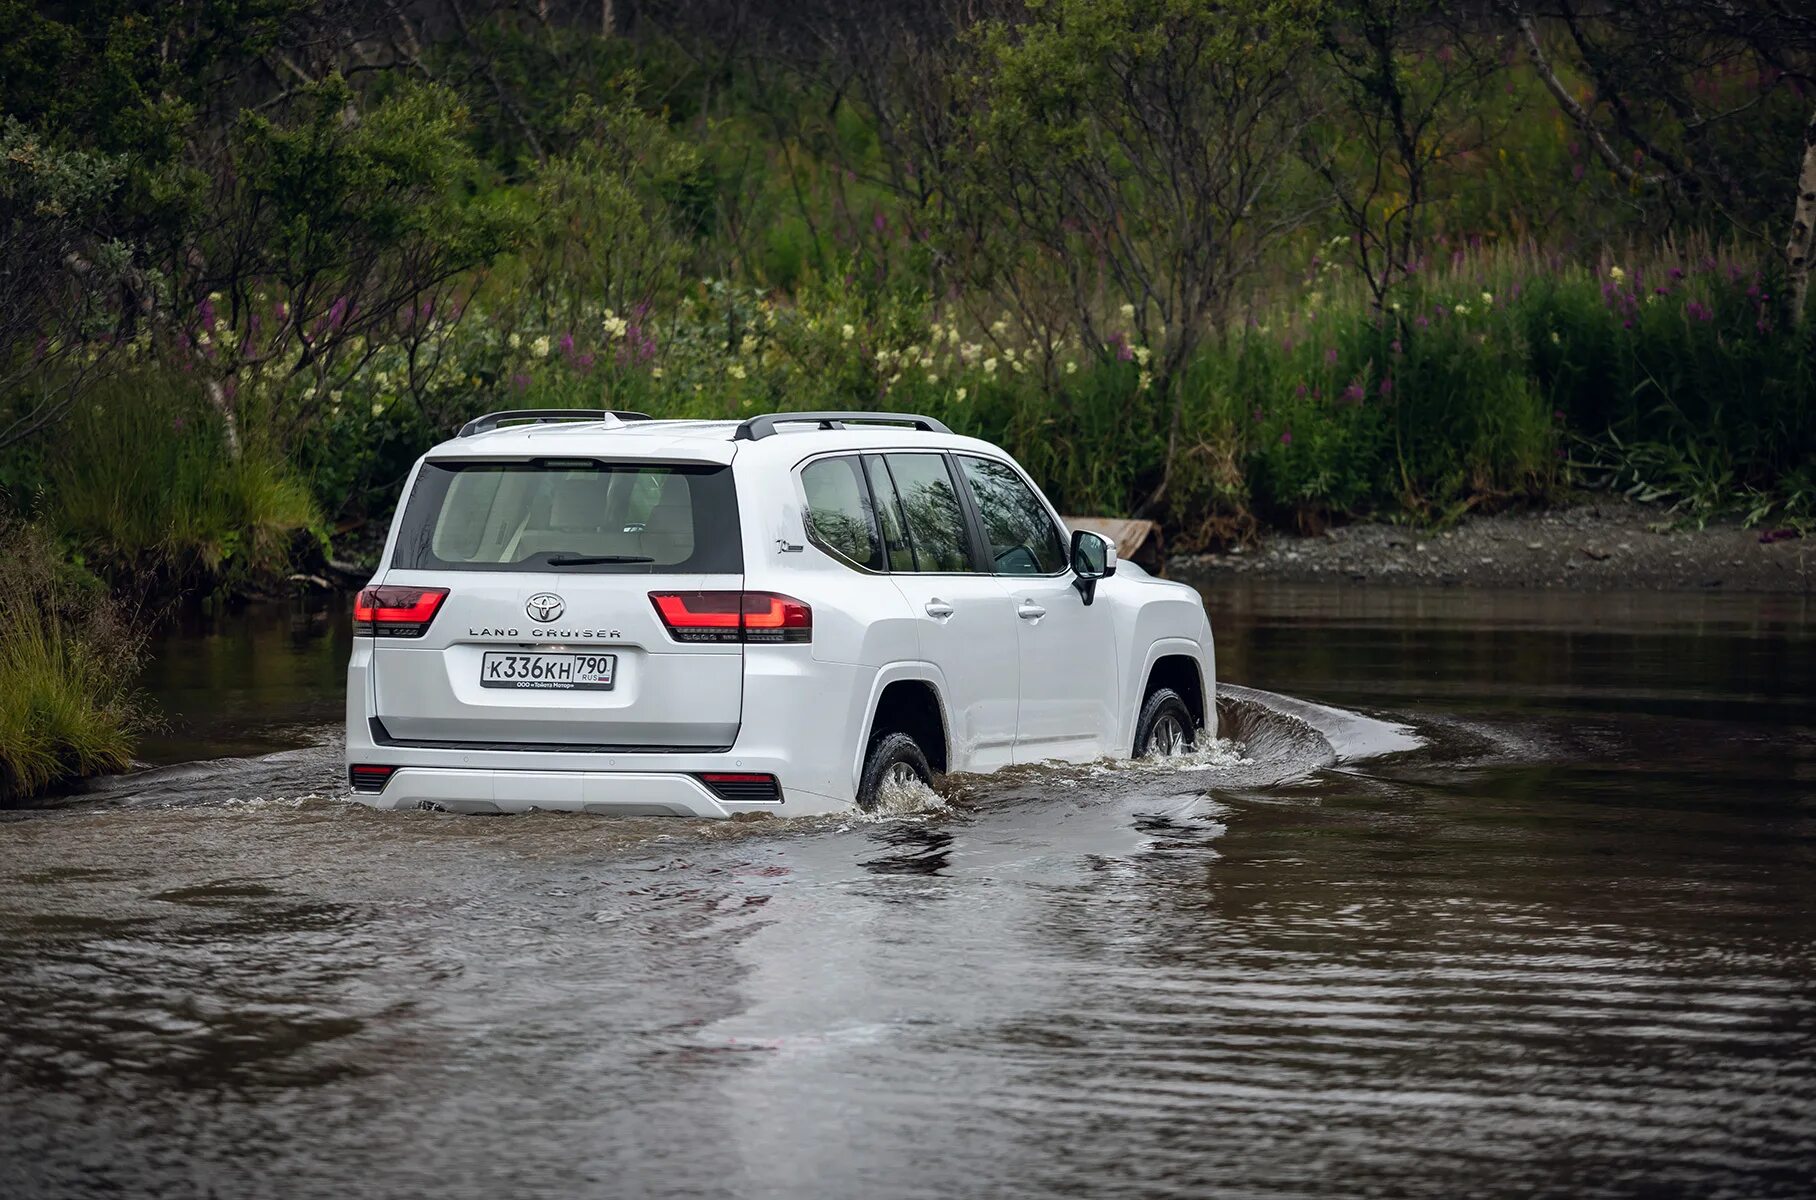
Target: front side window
column 571, row 515
column 1023, row 538
column 839, row 519
column 931, row 510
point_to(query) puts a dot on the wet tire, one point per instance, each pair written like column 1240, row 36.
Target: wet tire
column 894, row 755
column 1165, row 725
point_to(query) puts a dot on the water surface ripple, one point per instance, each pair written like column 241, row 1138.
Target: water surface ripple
column 1522, row 904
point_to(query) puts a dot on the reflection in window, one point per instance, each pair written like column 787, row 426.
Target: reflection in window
column 838, row 511
column 889, row 515
column 1023, row 539
column 930, row 505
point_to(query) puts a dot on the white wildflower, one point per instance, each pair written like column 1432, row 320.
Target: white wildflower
column 848, row 332
column 1128, row 312
column 736, row 371
column 540, row 347
column 989, row 366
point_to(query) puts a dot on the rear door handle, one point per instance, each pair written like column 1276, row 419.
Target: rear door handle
column 1030, row 611
column 939, row 610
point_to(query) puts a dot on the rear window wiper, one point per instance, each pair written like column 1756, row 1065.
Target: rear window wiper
column 590, row 560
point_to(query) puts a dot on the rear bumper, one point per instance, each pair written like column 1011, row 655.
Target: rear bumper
column 603, row 793
column 802, row 722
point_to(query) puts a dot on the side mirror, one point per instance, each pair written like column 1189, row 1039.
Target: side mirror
column 1093, row 558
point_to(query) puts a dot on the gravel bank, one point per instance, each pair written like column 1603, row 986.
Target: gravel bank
column 1592, row 547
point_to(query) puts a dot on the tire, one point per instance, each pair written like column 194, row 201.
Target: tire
column 890, row 754
column 1165, row 725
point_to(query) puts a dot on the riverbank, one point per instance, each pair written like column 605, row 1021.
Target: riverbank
column 1592, row 547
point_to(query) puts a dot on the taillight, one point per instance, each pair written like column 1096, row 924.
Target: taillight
column 369, row 778
column 733, row 616
column 396, row 611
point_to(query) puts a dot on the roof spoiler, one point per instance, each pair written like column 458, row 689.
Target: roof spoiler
column 757, row 428
column 544, row 416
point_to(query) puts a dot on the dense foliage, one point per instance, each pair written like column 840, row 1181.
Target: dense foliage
column 1223, row 262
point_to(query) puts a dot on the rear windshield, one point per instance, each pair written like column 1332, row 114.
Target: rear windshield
column 572, row 515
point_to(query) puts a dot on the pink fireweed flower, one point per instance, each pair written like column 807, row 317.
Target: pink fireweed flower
column 1387, row 387
column 1286, row 437
column 1330, row 357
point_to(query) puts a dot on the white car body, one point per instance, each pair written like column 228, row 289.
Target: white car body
column 1014, row 668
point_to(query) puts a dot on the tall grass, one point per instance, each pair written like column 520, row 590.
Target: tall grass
column 69, row 654
column 139, row 481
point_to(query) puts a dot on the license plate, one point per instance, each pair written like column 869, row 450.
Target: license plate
column 556, row 671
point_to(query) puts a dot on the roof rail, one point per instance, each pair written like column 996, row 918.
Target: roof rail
column 761, row 427
column 542, row 416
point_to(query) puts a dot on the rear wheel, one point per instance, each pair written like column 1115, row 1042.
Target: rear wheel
column 1165, row 726
column 895, row 761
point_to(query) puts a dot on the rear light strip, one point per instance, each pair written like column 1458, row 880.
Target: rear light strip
column 366, row 777
column 746, row 786
column 763, row 617
column 396, row 611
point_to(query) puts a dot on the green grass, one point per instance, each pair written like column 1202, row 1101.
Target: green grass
column 68, row 657
column 139, row 482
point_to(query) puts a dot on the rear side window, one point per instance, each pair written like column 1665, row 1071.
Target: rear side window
column 1023, row 538
column 574, row 515
column 839, row 519
column 889, row 515
column 930, row 508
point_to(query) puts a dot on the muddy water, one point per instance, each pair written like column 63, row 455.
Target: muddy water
column 1521, row 903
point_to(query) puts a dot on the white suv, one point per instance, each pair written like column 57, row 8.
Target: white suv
column 595, row 611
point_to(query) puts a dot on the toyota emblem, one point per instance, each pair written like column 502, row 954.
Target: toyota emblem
column 544, row 606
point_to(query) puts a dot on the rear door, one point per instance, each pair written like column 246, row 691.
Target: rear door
column 548, row 637
column 1067, row 648
column 966, row 622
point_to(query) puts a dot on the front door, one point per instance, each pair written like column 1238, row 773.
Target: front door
column 1066, row 649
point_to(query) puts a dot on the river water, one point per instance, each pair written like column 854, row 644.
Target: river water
column 1528, row 908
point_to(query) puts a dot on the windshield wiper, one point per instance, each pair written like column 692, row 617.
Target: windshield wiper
column 590, row 560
